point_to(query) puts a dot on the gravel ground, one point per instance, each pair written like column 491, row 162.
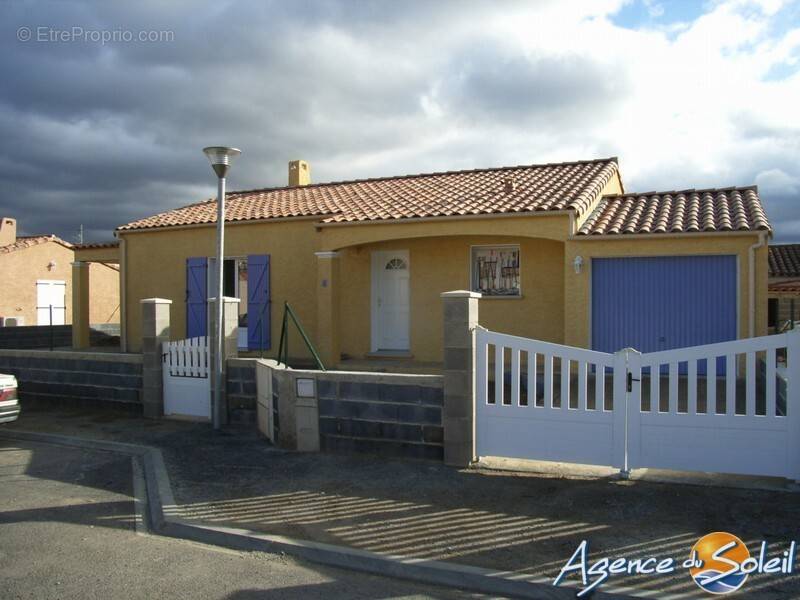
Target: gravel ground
column 66, row 531
column 513, row 522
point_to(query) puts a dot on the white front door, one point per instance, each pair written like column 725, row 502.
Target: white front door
column 51, row 293
column 390, row 304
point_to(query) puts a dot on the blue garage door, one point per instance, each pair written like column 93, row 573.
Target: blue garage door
column 665, row 302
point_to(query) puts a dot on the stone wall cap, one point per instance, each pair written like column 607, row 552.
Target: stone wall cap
column 155, row 301
column 461, row 294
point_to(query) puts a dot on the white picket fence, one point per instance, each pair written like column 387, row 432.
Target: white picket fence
column 732, row 407
column 186, row 376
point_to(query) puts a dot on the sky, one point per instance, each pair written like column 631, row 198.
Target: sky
column 105, row 106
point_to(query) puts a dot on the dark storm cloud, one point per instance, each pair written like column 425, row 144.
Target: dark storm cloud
column 497, row 84
column 102, row 134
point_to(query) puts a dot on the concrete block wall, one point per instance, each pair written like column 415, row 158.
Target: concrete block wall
column 84, row 379
column 392, row 416
column 104, row 334
column 35, row 336
column 388, row 414
column 241, row 383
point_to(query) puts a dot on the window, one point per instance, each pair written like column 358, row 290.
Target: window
column 495, row 270
column 396, row 264
column 234, row 285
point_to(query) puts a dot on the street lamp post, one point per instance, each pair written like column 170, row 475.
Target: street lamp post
column 220, row 158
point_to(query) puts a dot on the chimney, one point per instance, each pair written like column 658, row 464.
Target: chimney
column 8, row 231
column 509, row 185
column 299, row 173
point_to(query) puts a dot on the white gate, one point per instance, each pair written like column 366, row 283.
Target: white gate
column 528, row 412
column 732, row 407
column 187, row 380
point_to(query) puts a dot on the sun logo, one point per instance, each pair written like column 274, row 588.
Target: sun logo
column 717, row 563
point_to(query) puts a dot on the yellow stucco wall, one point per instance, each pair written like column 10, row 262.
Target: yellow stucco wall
column 442, row 264
column 156, row 267
column 103, row 293
column 19, row 271
column 577, row 289
column 24, row 267
column 542, row 225
column 102, row 254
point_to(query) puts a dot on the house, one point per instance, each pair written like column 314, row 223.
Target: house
column 784, row 285
column 37, row 271
column 560, row 252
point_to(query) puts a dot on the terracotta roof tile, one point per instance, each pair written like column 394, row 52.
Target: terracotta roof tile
column 792, row 286
column 33, row 240
column 91, row 245
column 784, row 260
column 562, row 186
column 688, row 211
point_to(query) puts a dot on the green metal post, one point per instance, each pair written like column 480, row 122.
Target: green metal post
column 305, row 337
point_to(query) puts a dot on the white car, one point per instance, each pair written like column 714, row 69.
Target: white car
column 9, row 403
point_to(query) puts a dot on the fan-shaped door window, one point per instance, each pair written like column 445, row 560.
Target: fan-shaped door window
column 396, row 264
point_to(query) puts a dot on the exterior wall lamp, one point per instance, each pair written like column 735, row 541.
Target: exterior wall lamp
column 577, row 264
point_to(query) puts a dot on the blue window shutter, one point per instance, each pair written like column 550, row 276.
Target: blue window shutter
column 258, row 302
column 196, row 297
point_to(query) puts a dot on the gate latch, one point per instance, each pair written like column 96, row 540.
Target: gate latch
column 631, row 380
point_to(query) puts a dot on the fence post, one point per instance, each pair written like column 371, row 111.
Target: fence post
column 793, row 400
column 460, row 311
column 633, row 411
column 620, row 412
column 155, row 331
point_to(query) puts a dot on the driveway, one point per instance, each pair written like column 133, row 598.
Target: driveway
column 66, row 531
column 516, row 523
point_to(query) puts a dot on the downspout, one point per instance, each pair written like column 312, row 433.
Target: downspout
column 751, row 271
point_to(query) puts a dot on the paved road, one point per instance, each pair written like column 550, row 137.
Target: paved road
column 67, row 531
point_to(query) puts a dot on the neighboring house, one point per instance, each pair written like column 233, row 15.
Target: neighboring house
column 784, row 285
column 560, row 252
column 36, row 274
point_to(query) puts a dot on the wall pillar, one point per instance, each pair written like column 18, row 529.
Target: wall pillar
column 298, row 409
column 327, row 341
column 460, row 311
column 80, row 305
column 155, row 331
column 230, row 336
